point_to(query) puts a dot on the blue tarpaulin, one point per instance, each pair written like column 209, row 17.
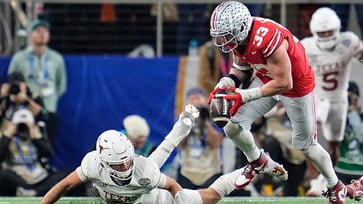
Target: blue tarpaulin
column 101, row 91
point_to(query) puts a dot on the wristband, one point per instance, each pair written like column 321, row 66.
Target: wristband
column 251, row 94
column 235, row 80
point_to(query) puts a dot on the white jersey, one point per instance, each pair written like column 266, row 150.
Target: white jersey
column 332, row 69
column 146, row 177
column 332, row 72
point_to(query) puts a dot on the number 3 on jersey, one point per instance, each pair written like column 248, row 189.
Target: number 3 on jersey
column 260, row 33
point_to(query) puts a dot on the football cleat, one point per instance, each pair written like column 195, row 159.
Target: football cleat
column 317, row 187
column 264, row 165
column 336, row 194
column 355, row 189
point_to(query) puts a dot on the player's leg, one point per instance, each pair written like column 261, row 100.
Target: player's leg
column 333, row 131
column 157, row 196
column 238, row 129
column 334, row 127
column 179, row 131
column 221, row 187
column 301, row 112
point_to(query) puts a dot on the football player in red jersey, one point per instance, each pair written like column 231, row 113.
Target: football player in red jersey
column 282, row 73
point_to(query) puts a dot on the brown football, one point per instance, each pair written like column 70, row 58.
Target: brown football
column 219, row 109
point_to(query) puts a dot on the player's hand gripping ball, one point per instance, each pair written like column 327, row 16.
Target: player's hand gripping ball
column 219, row 109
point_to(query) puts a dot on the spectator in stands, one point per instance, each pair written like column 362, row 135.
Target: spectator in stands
column 191, row 26
column 21, row 147
column 137, row 131
column 43, row 69
column 16, row 95
column 200, row 160
column 213, row 65
column 343, row 11
column 350, row 163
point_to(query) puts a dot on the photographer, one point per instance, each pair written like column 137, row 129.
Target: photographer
column 16, row 95
column 200, row 152
column 21, row 147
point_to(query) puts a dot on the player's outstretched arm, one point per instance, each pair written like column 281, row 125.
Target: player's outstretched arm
column 180, row 130
column 68, row 183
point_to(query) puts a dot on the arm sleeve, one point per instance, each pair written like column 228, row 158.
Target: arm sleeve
column 84, row 170
column 162, row 181
column 81, row 174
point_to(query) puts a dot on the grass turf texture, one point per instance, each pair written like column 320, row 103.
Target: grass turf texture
column 227, row 200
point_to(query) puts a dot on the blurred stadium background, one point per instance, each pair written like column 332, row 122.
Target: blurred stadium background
column 75, row 22
column 104, row 85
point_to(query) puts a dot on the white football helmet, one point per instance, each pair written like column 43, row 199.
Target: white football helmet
column 325, row 19
column 114, row 148
column 230, row 24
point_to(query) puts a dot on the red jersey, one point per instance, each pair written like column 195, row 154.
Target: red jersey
column 266, row 36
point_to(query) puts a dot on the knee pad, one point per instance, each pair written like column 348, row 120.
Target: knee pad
column 232, row 129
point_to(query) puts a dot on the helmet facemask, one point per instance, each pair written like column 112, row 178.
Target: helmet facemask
column 227, row 42
column 327, row 43
column 123, row 175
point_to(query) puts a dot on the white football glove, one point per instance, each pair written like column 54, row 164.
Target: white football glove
column 225, row 82
column 183, row 126
column 222, row 85
column 189, row 114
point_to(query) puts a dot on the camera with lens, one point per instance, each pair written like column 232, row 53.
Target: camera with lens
column 203, row 113
column 14, row 89
column 23, row 131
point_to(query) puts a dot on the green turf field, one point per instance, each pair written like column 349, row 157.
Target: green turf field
column 231, row 200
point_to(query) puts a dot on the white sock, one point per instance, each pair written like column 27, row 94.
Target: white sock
column 224, row 185
column 245, row 142
column 321, row 160
column 162, row 152
column 180, row 130
column 193, row 197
